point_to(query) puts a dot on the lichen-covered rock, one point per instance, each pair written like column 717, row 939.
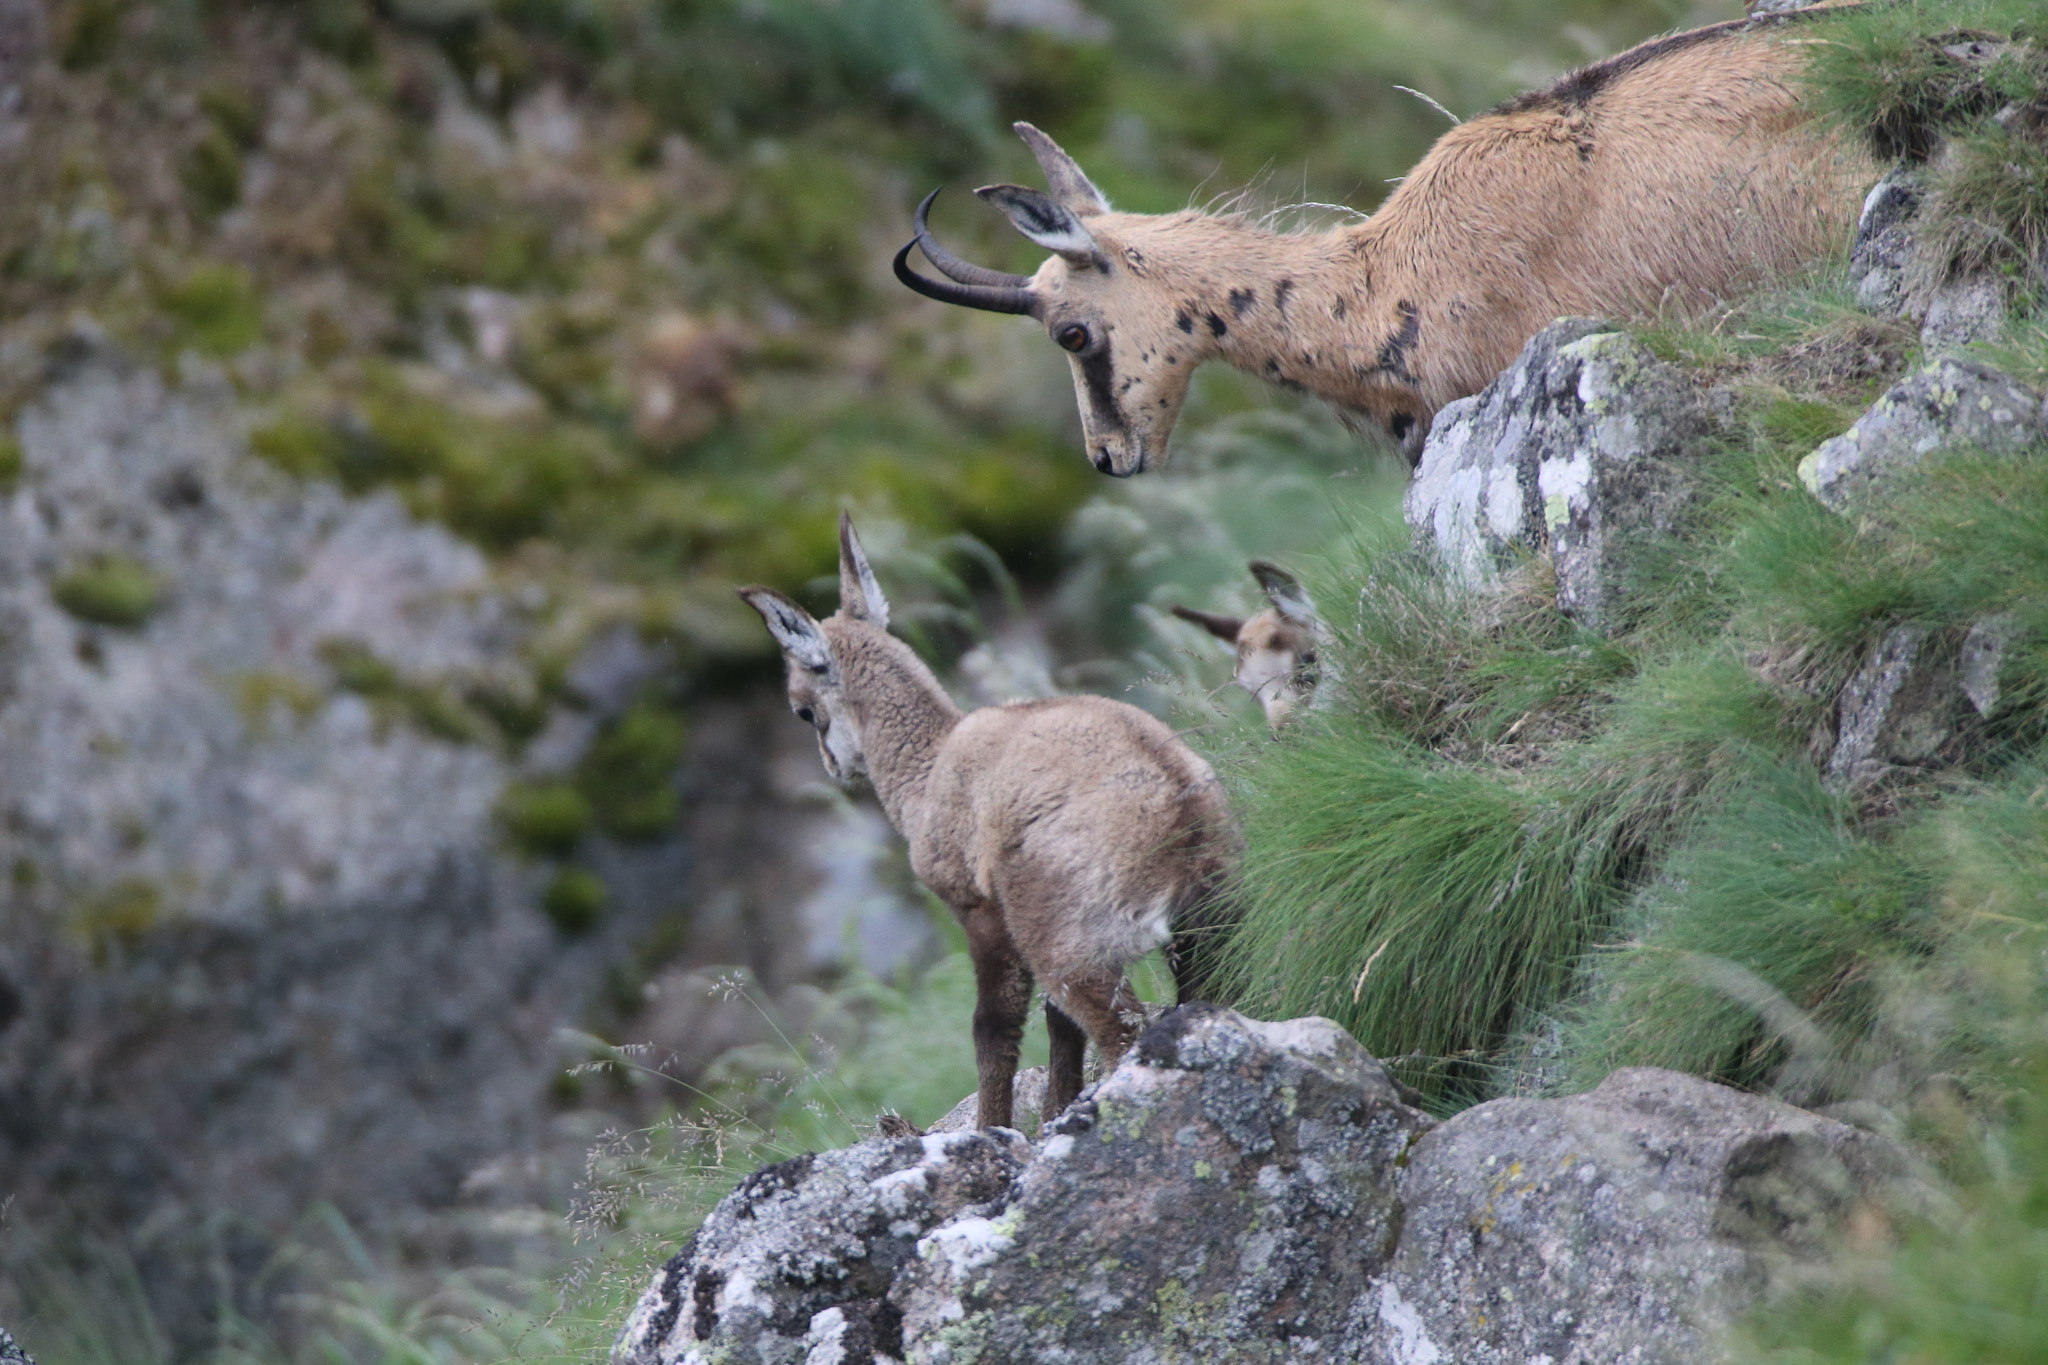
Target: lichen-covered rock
column 1883, row 249
column 12, row 1354
column 1946, row 403
column 791, row 1267
column 1618, row 1225
column 1224, row 1196
column 1240, row 1193
column 1577, row 449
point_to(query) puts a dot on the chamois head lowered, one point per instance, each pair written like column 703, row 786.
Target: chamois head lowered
column 1665, row 179
column 1131, row 345
column 1276, row 648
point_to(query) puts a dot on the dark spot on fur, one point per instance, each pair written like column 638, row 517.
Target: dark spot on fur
column 1340, row 308
column 704, row 1298
column 1272, row 365
column 1217, row 326
column 1184, row 322
column 1400, row 424
column 1393, row 356
column 1242, row 301
column 1280, row 293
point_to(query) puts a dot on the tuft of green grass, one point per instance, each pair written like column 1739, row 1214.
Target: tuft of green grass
column 1883, row 72
column 216, row 307
column 1417, row 903
column 114, row 590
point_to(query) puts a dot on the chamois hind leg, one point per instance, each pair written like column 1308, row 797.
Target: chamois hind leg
column 1102, row 1003
column 1063, row 1076
column 1002, row 998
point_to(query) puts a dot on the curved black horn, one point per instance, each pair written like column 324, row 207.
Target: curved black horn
column 984, row 297
column 987, row 290
column 965, row 272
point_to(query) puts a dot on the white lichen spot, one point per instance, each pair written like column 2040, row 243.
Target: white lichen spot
column 898, row 1191
column 968, row 1244
column 1412, row 1345
column 1058, row 1147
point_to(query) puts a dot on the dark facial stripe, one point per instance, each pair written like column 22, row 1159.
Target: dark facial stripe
column 1098, row 373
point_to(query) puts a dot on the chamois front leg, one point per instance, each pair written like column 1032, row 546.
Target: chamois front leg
column 1002, row 999
column 1063, row 1076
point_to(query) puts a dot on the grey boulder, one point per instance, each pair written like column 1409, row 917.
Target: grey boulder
column 1578, row 449
column 1224, row 1195
column 795, row 1262
column 1623, row 1224
column 1241, row 1193
column 1946, row 403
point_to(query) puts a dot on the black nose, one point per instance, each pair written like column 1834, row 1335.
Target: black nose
column 1102, row 460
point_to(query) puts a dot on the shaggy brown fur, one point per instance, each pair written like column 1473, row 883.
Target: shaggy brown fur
column 1070, row 836
column 1670, row 177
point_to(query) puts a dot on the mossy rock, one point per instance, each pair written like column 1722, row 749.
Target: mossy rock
column 547, row 818
column 629, row 773
column 118, row 915
column 112, row 591
column 575, row 901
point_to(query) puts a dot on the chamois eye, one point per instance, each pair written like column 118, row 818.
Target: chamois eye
column 1308, row 656
column 1072, row 337
column 803, row 713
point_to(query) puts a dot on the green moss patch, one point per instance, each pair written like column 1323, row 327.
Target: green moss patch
column 115, row 590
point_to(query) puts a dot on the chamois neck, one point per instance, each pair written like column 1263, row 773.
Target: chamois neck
column 902, row 713
column 1296, row 309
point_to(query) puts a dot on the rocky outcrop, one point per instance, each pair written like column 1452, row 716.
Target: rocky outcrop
column 1247, row 1192
column 1946, row 403
column 11, row 1354
column 1578, row 449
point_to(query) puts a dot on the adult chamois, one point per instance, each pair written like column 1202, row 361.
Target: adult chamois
column 1670, row 177
column 1070, row 835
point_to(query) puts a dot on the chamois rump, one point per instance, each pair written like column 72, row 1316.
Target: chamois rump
column 1070, row 835
column 1276, row 648
column 1669, row 177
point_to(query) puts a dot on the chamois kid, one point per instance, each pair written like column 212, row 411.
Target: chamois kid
column 1276, row 648
column 1672, row 176
column 1071, row 835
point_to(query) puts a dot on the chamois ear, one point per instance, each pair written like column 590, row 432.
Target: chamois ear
column 793, row 628
column 860, row 596
column 1285, row 592
column 1050, row 224
column 1224, row 628
column 1068, row 182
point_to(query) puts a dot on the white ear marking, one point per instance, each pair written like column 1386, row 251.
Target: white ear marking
column 794, row 628
column 860, row 595
column 1045, row 221
column 1063, row 175
column 1285, row 592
